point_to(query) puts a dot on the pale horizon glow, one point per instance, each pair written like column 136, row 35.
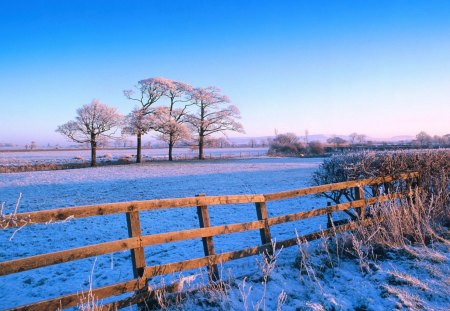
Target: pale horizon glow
column 379, row 68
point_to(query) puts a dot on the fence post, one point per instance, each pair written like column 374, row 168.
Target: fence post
column 208, row 243
column 134, row 230
column 415, row 182
column 137, row 254
column 329, row 218
column 261, row 212
column 359, row 195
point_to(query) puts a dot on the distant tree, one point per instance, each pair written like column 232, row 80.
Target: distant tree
column 33, row 145
column 437, row 140
column 336, row 141
column 102, row 142
column 212, row 115
column 446, row 140
column 220, row 142
column 423, row 139
column 353, row 138
column 252, row 143
column 93, row 121
column 361, row 139
column 149, row 91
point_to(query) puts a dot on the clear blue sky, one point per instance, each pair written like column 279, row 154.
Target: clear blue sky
column 381, row 68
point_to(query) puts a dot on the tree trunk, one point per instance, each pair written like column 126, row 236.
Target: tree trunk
column 93, row 152
column 200, row 147
column 139, row 148
column 170, row 150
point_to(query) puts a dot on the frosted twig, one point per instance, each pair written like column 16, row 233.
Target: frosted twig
column 11, row 220
column 17, row 230
column 17, row 203
column 51, row 221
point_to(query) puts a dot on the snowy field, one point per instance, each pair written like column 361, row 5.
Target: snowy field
column 19, row 158
column 54, row 189
column 342, row 287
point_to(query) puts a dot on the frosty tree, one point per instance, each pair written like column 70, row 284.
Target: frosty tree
column 138, row 123
column 148, row 92
column 93, row 122
column 171, row 130
column 213, row 115
column 170, row 121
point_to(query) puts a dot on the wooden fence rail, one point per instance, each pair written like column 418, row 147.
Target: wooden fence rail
column 136, row 241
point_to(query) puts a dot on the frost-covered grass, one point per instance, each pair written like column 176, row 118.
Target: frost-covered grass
column 327, row 274
column 82, row 156
column 320, row 279
column 54, row 189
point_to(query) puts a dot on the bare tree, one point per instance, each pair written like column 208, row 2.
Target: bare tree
column 149, row 91
column 353, row 138
column 93, row 122
column 361, row 139
column 33, row 145
column 424, row 139
column 211, row 116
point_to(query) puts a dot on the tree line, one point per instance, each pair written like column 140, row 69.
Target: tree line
column 174, row 110
column 291, row 145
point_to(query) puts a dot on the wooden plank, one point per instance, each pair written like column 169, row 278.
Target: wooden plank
column 61, row 214
column 74, row 299
column 316, row 212
column 261, row 212
column 33, row 262
column 332, row 187
column 174, row 236
column 208, row 242
column 137, row 254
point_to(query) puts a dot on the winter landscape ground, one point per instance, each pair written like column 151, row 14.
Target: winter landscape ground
column 303, row 278
column 22, row 158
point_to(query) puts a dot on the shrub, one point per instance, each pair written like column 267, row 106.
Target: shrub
column 316, row 148
column 431, row 208
column 286, row 144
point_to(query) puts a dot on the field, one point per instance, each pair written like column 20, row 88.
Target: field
column 154, row 180
column 54, row 156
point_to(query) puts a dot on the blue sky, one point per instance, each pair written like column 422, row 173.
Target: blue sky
column 381, row 68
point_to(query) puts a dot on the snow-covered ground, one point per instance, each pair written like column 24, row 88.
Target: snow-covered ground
column 19, row 158
column 343, row 287
column 54, row 189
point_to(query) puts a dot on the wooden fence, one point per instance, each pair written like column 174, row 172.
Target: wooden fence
column 136, row 241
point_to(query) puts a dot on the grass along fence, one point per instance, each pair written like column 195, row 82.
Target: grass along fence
column 136, row 241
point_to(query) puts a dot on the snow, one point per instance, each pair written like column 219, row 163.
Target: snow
column 343, row 287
